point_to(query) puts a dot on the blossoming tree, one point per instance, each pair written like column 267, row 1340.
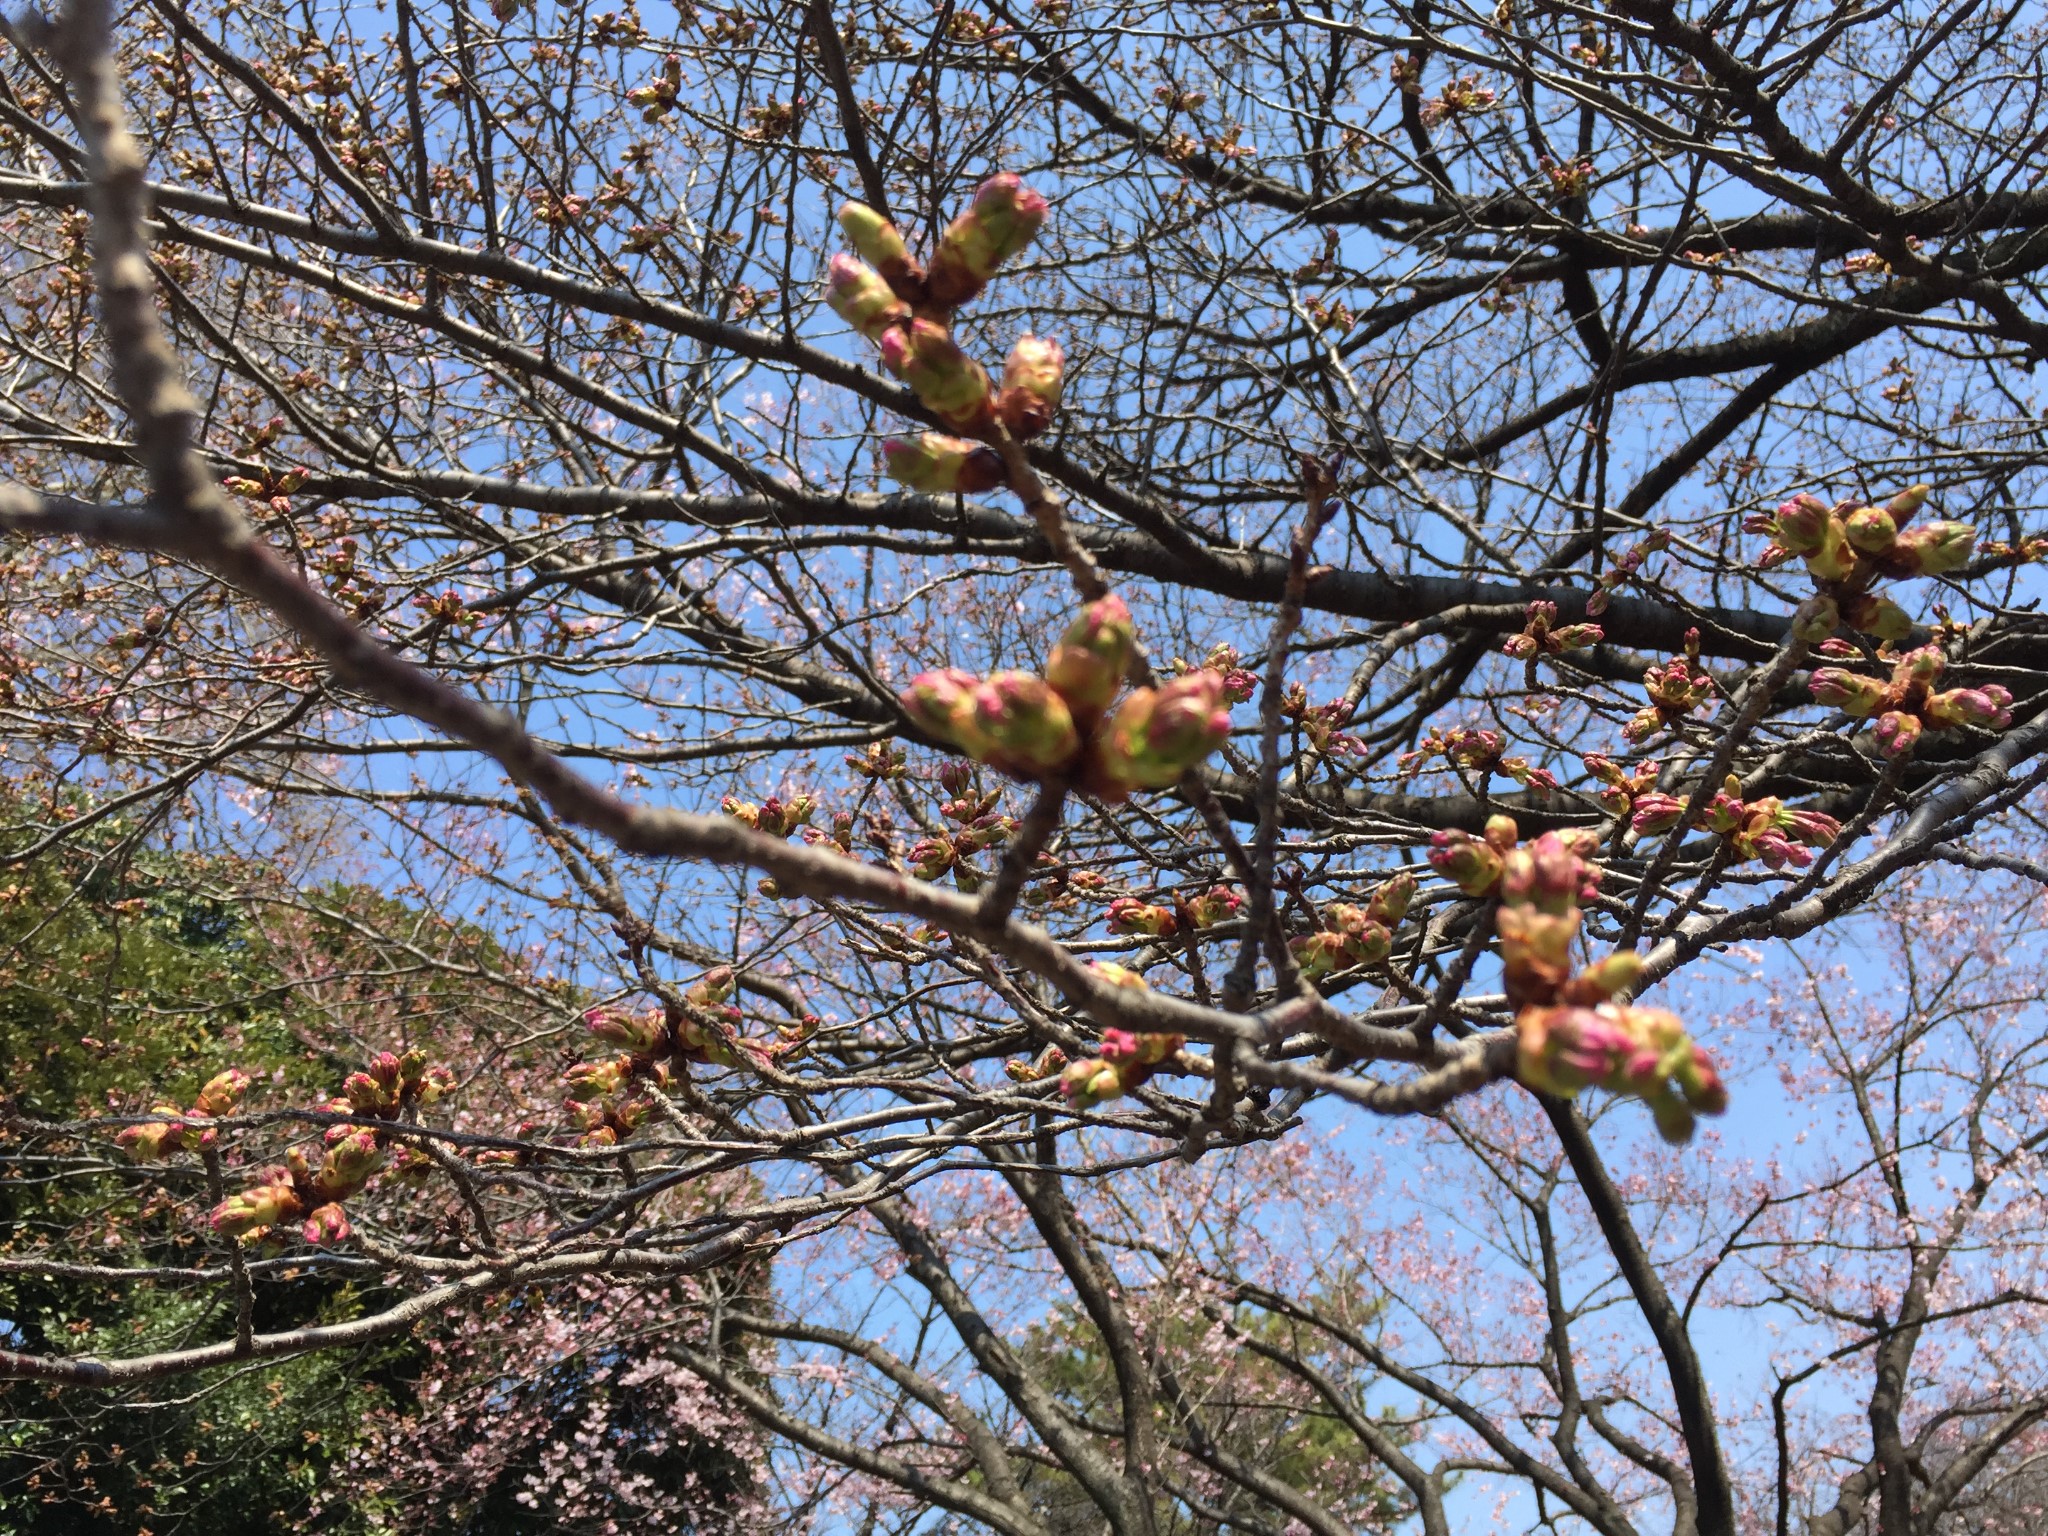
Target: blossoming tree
column 1499, row 537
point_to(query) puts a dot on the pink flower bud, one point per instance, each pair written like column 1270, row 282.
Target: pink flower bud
column 1158, row 734
column 1469, row 863
column 999, row 223
column 1137, row 1057
column 953, row 386
column 148, row 1143
column 941, row 703
column 328, row 1226
column 270, row 1202
column 1990, row 707
column 1810, row 827
column 1870, row 530
column 367, row 1096
column 1019, row 726
column 1391, row 900
column 1535, row 951
column 1576, row 637
column 1934, row 549
column 1656, row 812
column 1087, row 667
column 1897, row 733
column 1318, row 955
column 349, row 1163
column 607, row 1076
column 1801, row 524
column 1127, row 914
column 1544, row 874
column 641, row 1034
column 942, row 466
column 1031, row 386
column 1111, row 974
column 1644, row 1053
column 1086, row 1084
column 860, row 297
column 931, row 857
column 1217, row 904
column 222, row 1093
column 1856, row 696
column 713, row 987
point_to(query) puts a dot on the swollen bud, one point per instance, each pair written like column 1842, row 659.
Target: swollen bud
column 1158, row 734
column 1471, row 864
column 1816, row 619
column 1934, row 549
column 880, row 246
column 858, row 296
column 1870, row 530
column 1854, row 695
column 943, row 465
column 939, row 703
column 1390, row 903
column 1897, row 733
column 1990, row 707
column 1087, row 667
column 951, row 384
column 1877, row 616
column 999, row 223
column 1016, row 723
column 222, row 1093
column 1031, row 386
column 642, row 1034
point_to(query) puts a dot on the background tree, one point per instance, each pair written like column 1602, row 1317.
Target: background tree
column 1590, row 447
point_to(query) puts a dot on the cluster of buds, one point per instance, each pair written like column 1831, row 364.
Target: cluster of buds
column 1570, row 180
column 1239, row 684
column 1625, row 568
column 160, row 1138
column 1571, row 1033
column 904, row 307
column 1129, row 915
column 1060, row 725
column 1353, row 936
column 1476, row 751
column 1848, row 546
column 1675, row 690
column 657, row 98
column 1766, row 829
column 1908, row 706
column 1463, row 96
column 1322, row 725
column 1049, row 1062
column 274, row 490
column 884, row 762
column 954, row 850
column 1477, row 866
column 392, row 1086
column 777, row 818
column 1126, row 1062
column 1542, row 636
column 1621, row 787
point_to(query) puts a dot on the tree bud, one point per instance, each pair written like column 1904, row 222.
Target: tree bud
column 1158, row 734
column 270, row 1202
column 1087, row 667
column 1655, row 812
column 940, row 703
column 642, row 1034
column 1990, row 707
column 996, row 225
column 1129, row 915
column 1086, row 1084
column 1535, row 951
column 1833, row 559
column 882, row 247
column 1644, row 1053
column 607, row 1076
column 327, row 1226
column 1800, row 526
column 943, row 465
column 1870, row 530
column 1856, row 696
column 1816, row 619
column 1215, row 905
column 1897, row 733
column 1934, row 549
column 860, row 297
column 1878, row 616
column 952, row 385
column 222, row 1093
column 1469, row 863
column 348, row 1165
column 1390, row 902
column 1017, row 724
column 1031, row 386
column 1903, row 507
column 148, row 1143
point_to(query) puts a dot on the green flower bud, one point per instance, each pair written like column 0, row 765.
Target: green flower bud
column 943, row 465
column 1087, row 667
